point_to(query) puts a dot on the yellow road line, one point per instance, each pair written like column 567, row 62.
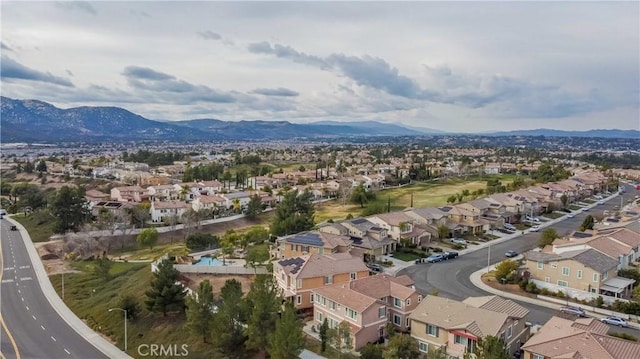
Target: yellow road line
column 4, row 325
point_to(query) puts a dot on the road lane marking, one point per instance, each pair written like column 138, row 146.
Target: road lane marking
column 27, row 307
column 2, row 323
column 9, row 268
column 54, row 339
column 66, row 351
column 25, row 267
column 7, row 281
column 42, row 326
column 25, row 278
column 22, row 298
column 34, row 317
column 19, row 292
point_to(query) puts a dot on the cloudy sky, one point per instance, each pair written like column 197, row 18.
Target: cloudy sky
column 452, row 66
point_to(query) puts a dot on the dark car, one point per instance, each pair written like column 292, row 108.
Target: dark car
column 14, row 228
column 435, row 258
column 374, row 267
column 511, row 254
column 449, row 255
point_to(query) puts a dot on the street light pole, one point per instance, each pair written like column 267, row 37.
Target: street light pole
column 125, row 325
column 63, row 286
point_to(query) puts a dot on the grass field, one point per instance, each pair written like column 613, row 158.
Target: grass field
column 425, row 194
column 38, row 224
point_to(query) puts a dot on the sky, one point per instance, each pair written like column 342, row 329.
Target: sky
column 451, row 66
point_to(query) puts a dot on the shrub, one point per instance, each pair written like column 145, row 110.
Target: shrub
column 624, row 336
column 531, row 288
column 544, row 291
column 560, row 294
column 523, row 284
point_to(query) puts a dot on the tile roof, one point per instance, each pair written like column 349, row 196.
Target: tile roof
column 583, row 338
column 379, row 286
column 498, row 304
column 317, row 265
column 394, row 218
column 341, row 293
column 589, row 257
column 450, row 314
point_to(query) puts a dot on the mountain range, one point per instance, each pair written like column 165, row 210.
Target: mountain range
column 34, row 121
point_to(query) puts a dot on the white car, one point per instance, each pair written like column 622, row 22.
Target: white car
column 535, row 229
column 571, row 215
column 615, row 321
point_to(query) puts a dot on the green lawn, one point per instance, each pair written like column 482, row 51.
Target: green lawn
column 38, row 224
column 407, row 257
column 554, row 215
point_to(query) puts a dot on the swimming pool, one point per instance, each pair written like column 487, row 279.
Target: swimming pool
column 208, row 261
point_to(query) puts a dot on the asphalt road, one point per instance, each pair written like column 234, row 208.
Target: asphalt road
column 31, row 327
column 451, row 277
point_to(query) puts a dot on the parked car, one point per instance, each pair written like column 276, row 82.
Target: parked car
column 435, row 258
column 615, row 321
column 374, row 267
column 532, row 219
column 511, row 254
column 450, row 255
column 14, row 228
column 600, row 202
column 509, row 226
column 535, row 229
column 571, row 215
column 459, row 241
column 573, row 310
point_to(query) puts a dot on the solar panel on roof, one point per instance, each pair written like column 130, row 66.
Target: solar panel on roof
column 582, row 235
column 359, row 221
column 312, row 239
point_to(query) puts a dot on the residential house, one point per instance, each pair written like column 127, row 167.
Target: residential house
column 513, row 206
column 373, row 240
column 455, row 327
column 432, row 218
column 313, row 242
column 584, row 273
column 166, row 192
column 164, row 209
column 584, row 338
column 212, row 187
column 117, row 209
column 298, row 276
column 367, row 305
column 400, row 225
column 94, row 196
column 470, row 221
column 238, row 200
column 211, row 203
column 128, row 194
column 489, row 209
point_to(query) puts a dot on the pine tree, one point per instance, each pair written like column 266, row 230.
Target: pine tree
column 254, row 207
column 200, row 310
column 263, row 304
column 287, row 341
column 165, row 293
column 69, row 208
column 294, row 214
column 324, row 335
column 228, row 332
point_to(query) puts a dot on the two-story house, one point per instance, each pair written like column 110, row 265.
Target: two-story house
column 166, row 192
column 584, row 273
column 455, row 327
column 208, row 202
column 311, row 242
column 373, row 240
column 432, row 218
column 470, row 221
column 580, row 338
column 128, row 194
column 237, row 200
column 161, row 210
column 298, row 276
column 400, row 226
column 367, row 305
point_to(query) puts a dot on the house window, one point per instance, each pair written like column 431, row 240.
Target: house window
column 299, row 299
column 311, row 298
column 305, row 249
column 328, row 280
column 397, row 320
column 407, row 322
column 554, row 265
column 509, row 332
column 292, row 247
column 579, row 274
column 605, row 275
column 351, row 313
column 319, row 316
column 540, row 265
column 298, row 283
column 432, row 330
column 565, row 271
column 547, row 279
column 595, row 277
column 419, row 298
column 537, row 356
column 458, row 339
column 408, row 302
column 382, row 311
column 563, row 283
column 397, row 302
column 352, row 275
column 333, row 305
column 324, row 301
column 423, row 347
column 320, row 250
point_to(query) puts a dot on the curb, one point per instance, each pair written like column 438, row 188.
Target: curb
column 476, row 279
column 60, row 307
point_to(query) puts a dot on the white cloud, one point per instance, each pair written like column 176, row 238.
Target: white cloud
column 450, row 66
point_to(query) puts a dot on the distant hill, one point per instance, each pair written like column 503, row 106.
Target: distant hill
column 559, row 133
column 34, row 121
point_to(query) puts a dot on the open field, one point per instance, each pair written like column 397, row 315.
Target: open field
column 425, row 194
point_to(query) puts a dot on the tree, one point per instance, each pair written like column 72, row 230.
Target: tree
column 452, row 199
column 42, row 166
column 256, row 235
column 140, row 214
column 257, row 254
column 324, row 335
column 294, row 214
column 263, row 303
column 565, row 200
column 547, row 237
column 505, row 268
column 166, row 293
column 147, row 237
column 202, row 241
column 69, row 208
column 489, row 347
column 287, row 341
column 102, row 268
column 340, row 337
column 228, row 332
column 371, row 351
column 254, row 207
column 129, row 303
column 587, row 223
column 200, row 309
column 402, row 346
column 443, row 231
column 359, row 195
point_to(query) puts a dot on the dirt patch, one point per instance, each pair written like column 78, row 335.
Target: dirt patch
column 217, row 281
column 56, row 265
column 509, row 288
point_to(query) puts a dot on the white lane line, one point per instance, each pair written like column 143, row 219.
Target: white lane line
column 22, row 298
column 25, row 267
column 42, row 326
column 66, row 351
column 34, row 317
column 27, row 307
column 19, row 292
column 54, row 339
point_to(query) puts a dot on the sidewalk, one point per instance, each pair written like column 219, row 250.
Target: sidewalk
column 476, row 279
